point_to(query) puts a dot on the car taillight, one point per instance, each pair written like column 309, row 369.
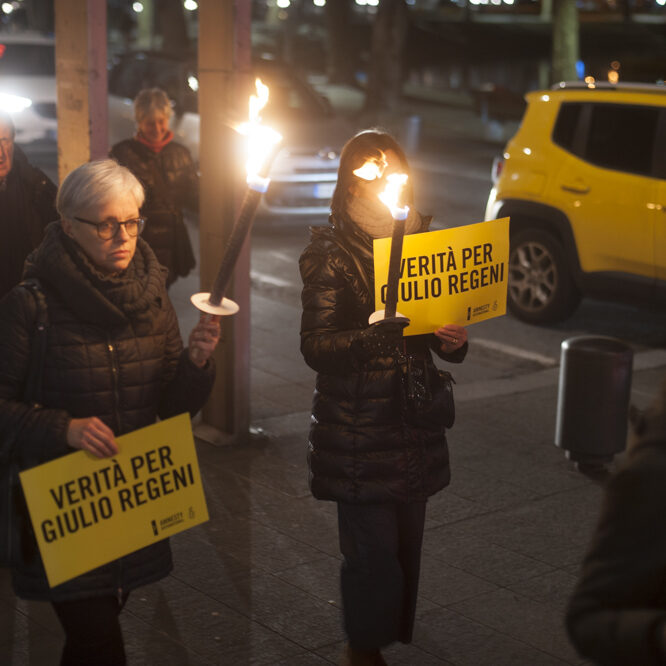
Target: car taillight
column 496, row 171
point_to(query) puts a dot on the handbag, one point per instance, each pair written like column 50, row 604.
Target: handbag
column 428, row 393
column 12, row 502
column 182, row 254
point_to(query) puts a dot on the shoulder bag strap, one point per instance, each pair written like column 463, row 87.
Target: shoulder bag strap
column 32, row 393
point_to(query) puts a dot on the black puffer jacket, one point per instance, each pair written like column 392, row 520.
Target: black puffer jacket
column 27, row 205
column 171, row 183
column 113, row 351
column 362, row 447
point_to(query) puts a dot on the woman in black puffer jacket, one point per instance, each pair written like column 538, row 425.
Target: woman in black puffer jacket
column 114, row 362
column 369, row 451
column 169, row 178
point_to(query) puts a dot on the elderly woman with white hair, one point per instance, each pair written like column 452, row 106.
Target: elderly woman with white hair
column 114, row 362
column 169, row 177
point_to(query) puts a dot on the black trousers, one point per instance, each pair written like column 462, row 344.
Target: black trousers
column 381, row 545
column 92, row 631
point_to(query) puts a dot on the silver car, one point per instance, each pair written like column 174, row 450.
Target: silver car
column 305, row 171
column 28, row 86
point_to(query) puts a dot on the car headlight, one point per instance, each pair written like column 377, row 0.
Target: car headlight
column 14, row 103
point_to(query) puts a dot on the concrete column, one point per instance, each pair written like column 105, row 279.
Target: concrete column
column 224, row 65
column 565, row 41
column 80, row 28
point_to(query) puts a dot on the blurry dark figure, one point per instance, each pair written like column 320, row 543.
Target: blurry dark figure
column 27, row 205
column 169, row 178
column 617, row 615
column 377, row 442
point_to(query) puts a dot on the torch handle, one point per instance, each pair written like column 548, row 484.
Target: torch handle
column 240, row 230
column 393, row 279
column 239, row 233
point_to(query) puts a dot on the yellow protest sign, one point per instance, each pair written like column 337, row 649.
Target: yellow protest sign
column 87, row 511
column 451, row 276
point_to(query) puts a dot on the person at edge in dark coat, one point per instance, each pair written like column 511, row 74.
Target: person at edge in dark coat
column 617, row 614
column 367, row 450
column 169, row 177
column 114, row 363
column 27, row 205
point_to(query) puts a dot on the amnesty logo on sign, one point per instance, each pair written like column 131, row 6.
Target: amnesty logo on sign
column 452, row 276
column 87, row 511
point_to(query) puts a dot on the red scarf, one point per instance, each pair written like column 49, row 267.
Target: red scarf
column 155, row 147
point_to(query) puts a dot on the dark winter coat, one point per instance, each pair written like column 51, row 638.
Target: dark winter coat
column 27, row 205
column 171, row 183
column 621, row 597
column 113, row 351
column 362, row 446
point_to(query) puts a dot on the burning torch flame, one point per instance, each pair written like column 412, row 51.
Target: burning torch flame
column 389, row 197
column 258, row 101
column 260, row 138
column 372, row 169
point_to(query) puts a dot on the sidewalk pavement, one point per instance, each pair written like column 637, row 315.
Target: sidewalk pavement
column 258, row 583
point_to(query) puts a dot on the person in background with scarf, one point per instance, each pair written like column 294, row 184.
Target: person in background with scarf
column 370, row 449
column 114, row 363
column 169, row 178
column 27, row 205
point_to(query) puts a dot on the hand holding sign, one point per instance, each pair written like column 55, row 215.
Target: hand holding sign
column 452, row 337
column 92, row 435
column 86, row 512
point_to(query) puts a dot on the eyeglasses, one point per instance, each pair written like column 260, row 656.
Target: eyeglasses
column 108, row 229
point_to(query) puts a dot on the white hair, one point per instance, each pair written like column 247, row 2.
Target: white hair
column 93, row 184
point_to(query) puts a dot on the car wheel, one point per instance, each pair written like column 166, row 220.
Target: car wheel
column 541, row 288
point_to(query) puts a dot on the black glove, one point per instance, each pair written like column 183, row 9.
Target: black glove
column 383, row 338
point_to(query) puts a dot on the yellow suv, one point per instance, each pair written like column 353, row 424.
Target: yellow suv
column 584, row 183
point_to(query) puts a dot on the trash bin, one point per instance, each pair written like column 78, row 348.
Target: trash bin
column 593, row 399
